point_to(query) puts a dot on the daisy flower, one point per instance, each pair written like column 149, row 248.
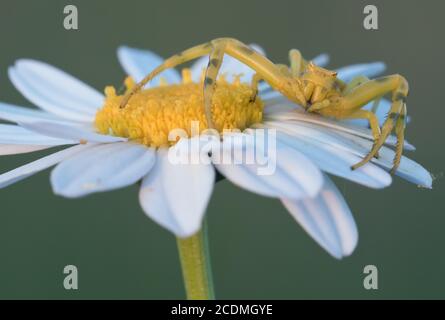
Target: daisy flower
column 111, row 148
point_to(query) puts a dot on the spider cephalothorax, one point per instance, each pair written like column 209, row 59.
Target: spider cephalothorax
column 319, row 83
column 316, row 89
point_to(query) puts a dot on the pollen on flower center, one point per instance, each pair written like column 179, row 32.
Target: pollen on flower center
column 152, row 113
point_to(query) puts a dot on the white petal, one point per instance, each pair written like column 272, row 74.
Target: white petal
column 266, row 92
column 12, row 134
column 341, row 142
column 276, row 103
column 139, row 63
column 264, row 87
column 9, row 149
column 278, row 106
column 230, row 66
column 408, row 169
column 176, row 195
column 327, row 219
column 270, row 94
column 322, row 122
column 55, row 91
column 71, row 132
column 324, row 152
column 381, row 113
column 284, row 172
column 321, row 60
column 16, row 114
column 103, row 167
column 364, row 69
column 31, row 168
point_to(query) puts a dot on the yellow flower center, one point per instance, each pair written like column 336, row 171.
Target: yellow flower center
column 152, row 113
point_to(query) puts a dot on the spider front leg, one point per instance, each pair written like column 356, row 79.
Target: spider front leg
column 254, row 85
column 296, row 66
column 354, row 83
column 217, row 48
column 357, row 81
column 364, row 114
column 285, row 71
column 215, row 61
column 400, row 134
column 297, row 63
column 173, row 61
column 371, row 90
column 372, row 119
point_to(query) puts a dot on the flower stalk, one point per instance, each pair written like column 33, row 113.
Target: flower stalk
column 195, row 264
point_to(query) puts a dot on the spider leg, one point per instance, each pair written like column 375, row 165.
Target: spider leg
column 215, row 61
column 295, row 60
column 258, row 77
column 357, row 81
column 284, row 69
column 297, row 63
column 346, row 89
column 231, row 47
column 317, row 106
column 173, row 61
column 373, row 123
column 375, row 105
column 363, row 114
column 273, row 74
column 387, row 127
column 254, row 85
column 354, row 83
column 372, row 119
column 400, row 133
column 263, row 66
column 368, row 92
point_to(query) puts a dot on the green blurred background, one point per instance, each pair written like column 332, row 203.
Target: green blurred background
column 258, row 251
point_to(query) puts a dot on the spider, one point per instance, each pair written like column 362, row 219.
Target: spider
column 316, row 89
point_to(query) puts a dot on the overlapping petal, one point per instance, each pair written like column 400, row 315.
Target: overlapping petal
column 55, row 91
column 13, row 113
column 281, row 172
column 368, row 70
column 13, row 134
column 329, row 159
column 31, row 168
column 15, row 139
column 79, row 133
column 103, row 167
column 176, row 195
column 139, row 63
column 299, row 117
column 327, row 219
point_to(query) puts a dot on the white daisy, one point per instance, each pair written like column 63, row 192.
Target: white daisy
column 176, row 196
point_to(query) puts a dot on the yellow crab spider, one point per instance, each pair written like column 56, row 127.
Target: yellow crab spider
column 316, row 89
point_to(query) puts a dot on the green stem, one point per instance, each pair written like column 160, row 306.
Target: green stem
column 195, row 263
